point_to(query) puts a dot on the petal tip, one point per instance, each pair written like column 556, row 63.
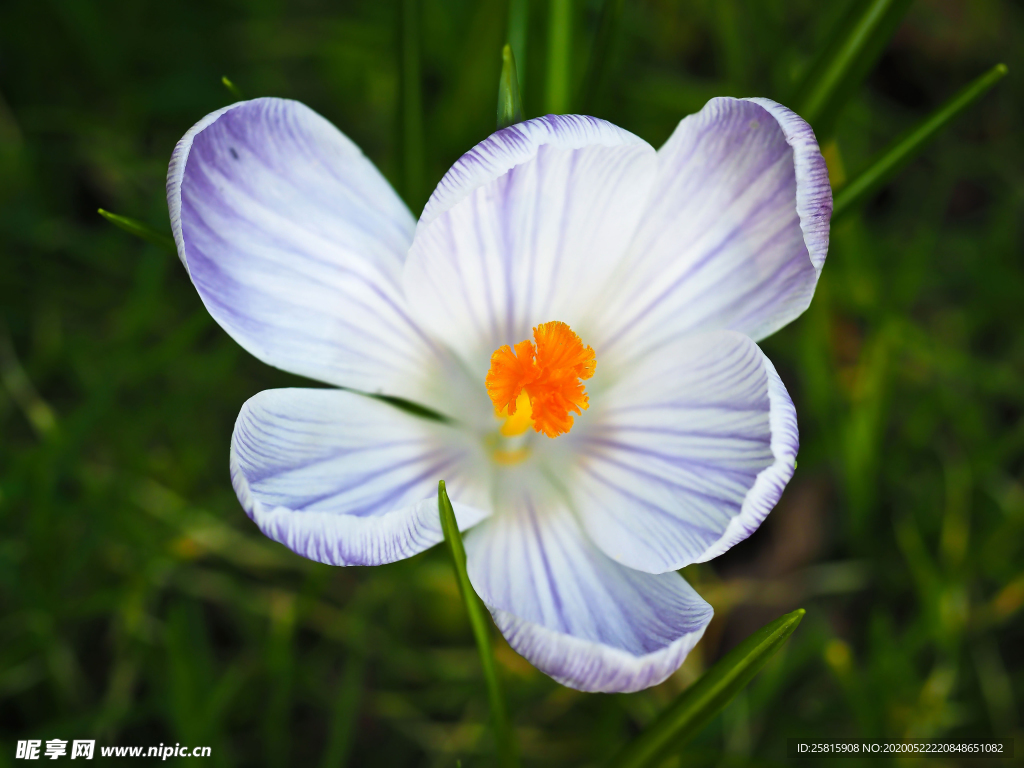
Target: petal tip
column 772, row 480
column 353, row 487
column 814, row 192
column 508, row 147
column 574, row 613
column 593, row 667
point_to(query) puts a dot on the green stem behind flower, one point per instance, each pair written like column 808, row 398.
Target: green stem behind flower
column 599, row 63
column 559, row 79
column 904, row 149
column 505, row 746
column 518, row 24
column 695, row 706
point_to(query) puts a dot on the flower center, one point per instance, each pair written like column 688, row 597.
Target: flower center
column 540, row 386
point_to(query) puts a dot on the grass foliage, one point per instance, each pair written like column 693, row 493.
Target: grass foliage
column 138, row 605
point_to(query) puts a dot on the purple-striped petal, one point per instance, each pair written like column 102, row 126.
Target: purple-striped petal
column 735, row 235
column 296, row 243
column 686, row 454
column 573, row 613
column 344, row 479
column 524, row 229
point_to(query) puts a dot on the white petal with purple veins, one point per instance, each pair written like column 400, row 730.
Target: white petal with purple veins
column 685, row 454
column 344, row 479
column 735, row 235
column 296, row 243
column 572, row 612
column 524, row 229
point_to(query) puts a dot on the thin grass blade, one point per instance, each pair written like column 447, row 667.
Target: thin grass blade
column 510, row 102
column 599, row 63
column 735, row 48
column 346, row 712
column 518, row 24
column 233, row 89
column 846, row 61
column 412, row 107
column 557, row 97
column 904, row 149
column 137, row 228
column 480, row 622
column 692, row 710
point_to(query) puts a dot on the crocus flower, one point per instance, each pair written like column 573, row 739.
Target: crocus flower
column 581, row 309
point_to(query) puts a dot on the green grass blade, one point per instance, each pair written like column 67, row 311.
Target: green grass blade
column 478, row 619
column 233, row 89
column 846, row 61
column 346, row 712
column 735, row 49
column 904, row 149
column 599, row 63
column 510, row 102
column 412, row 107
column 137, row 228
column 692, row 710
column 556, row 99
column 518, row 24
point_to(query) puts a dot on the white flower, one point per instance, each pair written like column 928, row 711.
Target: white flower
column 669, row 265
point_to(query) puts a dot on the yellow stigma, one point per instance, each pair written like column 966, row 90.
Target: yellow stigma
column 520, row 421
column 541, row 386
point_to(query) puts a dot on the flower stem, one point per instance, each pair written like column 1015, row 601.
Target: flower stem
column 505, row 746
column 904, row 149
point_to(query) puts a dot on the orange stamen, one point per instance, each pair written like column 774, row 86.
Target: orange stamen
column 550, row 374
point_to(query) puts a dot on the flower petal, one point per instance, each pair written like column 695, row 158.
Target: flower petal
column 295, row 243
column 524, row 229
column 686, row 454
column 576, row 615
column 344, row 479
column 735, row 235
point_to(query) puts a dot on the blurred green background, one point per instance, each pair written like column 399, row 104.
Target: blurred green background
column 139, row 605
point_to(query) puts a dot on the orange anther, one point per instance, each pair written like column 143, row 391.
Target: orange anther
column 551, row 374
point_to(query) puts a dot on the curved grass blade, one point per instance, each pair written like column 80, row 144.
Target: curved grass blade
column 137, row 228
column 846, row 61
column 233, row 89
column 904, row 149
column 692, row 710
column 510, row 102
column 556, row 99
column 507, row 756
